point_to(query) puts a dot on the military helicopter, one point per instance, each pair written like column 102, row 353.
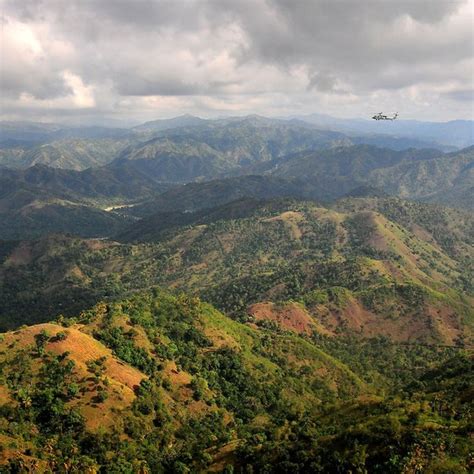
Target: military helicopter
column 381, row 116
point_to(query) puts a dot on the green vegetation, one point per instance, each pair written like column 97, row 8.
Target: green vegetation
column 377, row 276
column 225, row 396
column 232, row 325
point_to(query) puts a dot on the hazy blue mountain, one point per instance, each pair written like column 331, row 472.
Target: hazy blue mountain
column 33, row 133
column 457, row 133
column 167, row 124
column 416, row 174
column 69, row 153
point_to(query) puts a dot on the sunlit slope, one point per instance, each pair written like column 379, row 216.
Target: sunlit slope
column 383, row 267
column 153, row 366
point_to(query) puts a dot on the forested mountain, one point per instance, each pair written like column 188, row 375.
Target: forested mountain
column 426, row 175
column 214, row 395
column 94, row 183
column 234, row 295
column 417, row 174
column 28, row 211
column 386, row 267
column 41, row 200
column 73, row 153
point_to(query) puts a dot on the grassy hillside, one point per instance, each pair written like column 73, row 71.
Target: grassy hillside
column 371, row 271
column 104, row 390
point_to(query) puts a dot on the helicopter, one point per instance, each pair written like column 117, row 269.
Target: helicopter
column 380, row 116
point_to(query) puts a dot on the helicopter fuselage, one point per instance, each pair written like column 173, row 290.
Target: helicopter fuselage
column 380, row 116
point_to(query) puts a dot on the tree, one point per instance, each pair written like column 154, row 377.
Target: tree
column 41, row 339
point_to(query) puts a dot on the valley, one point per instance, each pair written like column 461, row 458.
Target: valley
column 234, row 295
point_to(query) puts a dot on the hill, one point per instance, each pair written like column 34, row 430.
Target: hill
column 196, row 196
column 386, row 267
column 28, row 211
column 73, row 153
column 214, row 394
column 415, row 174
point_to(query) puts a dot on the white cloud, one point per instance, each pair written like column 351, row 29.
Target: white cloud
column 149, row 58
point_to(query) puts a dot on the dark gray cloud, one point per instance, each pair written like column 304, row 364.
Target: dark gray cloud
column 361, row 42
column 268, row 56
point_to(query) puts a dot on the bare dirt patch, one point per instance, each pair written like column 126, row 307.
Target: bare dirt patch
column 21, row 255
column 290, row 316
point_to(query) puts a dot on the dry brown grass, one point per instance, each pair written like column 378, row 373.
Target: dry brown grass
column 290, row 316
column 82, row 348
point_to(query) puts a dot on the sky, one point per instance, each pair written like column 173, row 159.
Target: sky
column 136, row 60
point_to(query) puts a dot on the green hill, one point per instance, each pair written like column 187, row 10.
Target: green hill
column 28, row 211
column 97, row 184
column 387, row 267
column 155, row 370
column 425, row 175
column 72, row 153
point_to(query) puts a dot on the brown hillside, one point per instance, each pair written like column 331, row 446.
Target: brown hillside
column 81, row 348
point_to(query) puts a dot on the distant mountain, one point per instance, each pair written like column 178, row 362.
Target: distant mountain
column 416, row 174
column 76, row 154
column 457, row 133
column 222, row 147
column 123, row 182
column 180, row 159
column 181, row 149
column 173, row 123
column 33, row 133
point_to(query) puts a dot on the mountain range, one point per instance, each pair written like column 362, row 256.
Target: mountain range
column 237, row 295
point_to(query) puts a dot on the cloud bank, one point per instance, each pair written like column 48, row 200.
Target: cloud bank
column 146, row 59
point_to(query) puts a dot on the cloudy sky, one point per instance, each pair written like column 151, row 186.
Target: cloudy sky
column 143, row 59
